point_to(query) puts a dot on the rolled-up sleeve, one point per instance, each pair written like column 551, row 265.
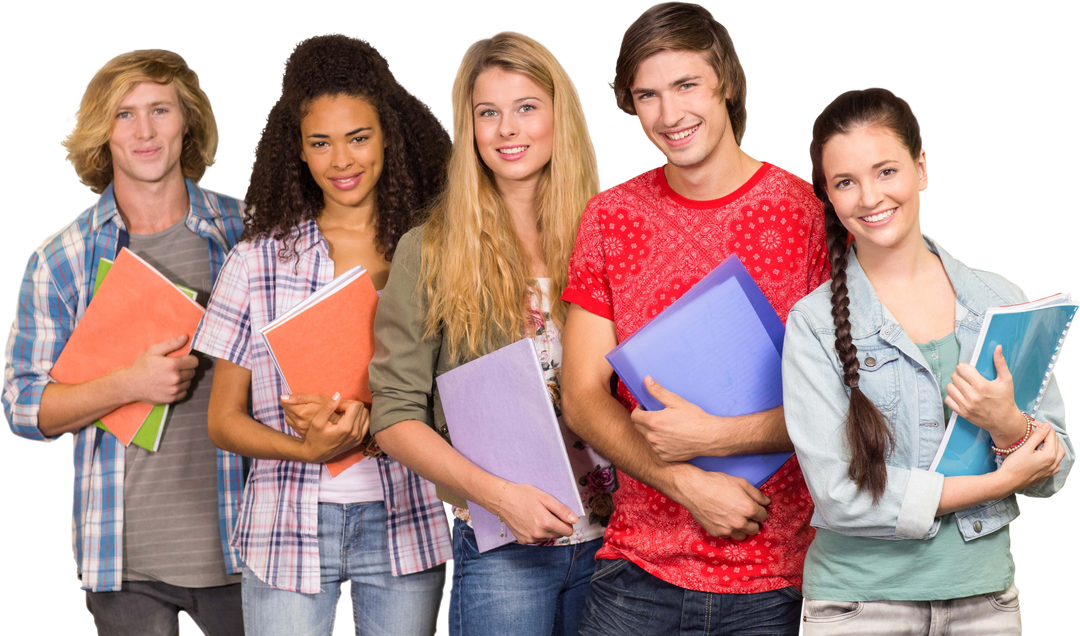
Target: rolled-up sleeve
column 44, row 320
column 815, row 408
column 402, row 370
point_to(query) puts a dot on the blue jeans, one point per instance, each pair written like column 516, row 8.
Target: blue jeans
column 625, row 599
column 352, row 547
column 518, row 590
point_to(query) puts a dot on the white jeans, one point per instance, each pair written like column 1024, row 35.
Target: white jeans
column 997, row 613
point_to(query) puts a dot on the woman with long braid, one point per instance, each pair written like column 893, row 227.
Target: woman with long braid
column 871, row 374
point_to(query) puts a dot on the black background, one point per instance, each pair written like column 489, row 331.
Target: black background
column 986, row 88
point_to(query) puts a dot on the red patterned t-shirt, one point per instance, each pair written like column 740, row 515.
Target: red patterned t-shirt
column 640, row 246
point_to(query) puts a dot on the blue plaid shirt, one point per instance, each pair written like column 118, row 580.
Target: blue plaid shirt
column 55, row 291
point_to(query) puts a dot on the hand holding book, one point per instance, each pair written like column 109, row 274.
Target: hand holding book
column 988, row 404
column 334, row 427
column 679, row 431
column 301, row 408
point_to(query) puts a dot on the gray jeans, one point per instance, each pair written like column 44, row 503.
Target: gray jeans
column 151, row 608
column 997, row 613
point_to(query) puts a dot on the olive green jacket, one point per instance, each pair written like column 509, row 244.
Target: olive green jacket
column 405, row 364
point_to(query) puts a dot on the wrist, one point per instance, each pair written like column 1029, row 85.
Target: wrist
column 121, row 385
column 680, row 478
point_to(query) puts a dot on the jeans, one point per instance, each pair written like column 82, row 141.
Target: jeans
column 997, row 613
column 518, row 590
column 625, row 599
column 353, row 547
column 152, row 608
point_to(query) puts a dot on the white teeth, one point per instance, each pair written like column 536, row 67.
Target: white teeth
column 682, row 135
column 512, row 151
column 881, row 216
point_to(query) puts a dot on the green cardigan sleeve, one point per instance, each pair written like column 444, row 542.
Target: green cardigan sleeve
column 403, row 368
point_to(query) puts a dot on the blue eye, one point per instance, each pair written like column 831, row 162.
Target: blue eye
column 487, row 112
column 527, row 107
column 123, row 115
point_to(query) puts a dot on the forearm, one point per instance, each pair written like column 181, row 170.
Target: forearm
column 67, row 408
column 763, row 432
column 237, row 432
column 605, row 424
column 969, row 490
column 426, row 453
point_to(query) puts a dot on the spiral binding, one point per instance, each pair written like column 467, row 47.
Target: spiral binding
column 1053, row 361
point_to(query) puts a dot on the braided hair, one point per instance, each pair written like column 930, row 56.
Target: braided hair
column 869, row 433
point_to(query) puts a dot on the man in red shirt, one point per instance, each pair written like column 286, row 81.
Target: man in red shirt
column 688, row 550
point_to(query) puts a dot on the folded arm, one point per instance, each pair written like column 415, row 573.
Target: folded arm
column 723, row 505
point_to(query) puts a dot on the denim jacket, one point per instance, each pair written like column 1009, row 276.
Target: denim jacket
column 894, row 375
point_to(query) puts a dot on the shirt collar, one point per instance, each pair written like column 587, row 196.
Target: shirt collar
column 868, row 316
column 306, row 235
column 199, row 207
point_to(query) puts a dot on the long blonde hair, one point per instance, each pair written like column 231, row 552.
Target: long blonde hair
column 88, row 144
column 474, row 268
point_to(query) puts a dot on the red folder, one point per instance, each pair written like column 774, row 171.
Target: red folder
column 324, row 345
column 135, row 307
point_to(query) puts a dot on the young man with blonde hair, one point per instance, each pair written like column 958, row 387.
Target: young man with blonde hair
column 687, row 550
column 150, row 529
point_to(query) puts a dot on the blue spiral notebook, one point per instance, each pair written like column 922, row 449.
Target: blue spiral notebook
column 719, row 347
column 1030, row 335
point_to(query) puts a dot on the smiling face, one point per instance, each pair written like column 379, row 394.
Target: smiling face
column 147, row 137
column 513, row 123
column 675, row 97
column 342, row 144
column 874, row 184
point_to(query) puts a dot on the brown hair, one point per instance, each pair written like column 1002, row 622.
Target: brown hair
column 680, row 26
column 88, row 144
column 868, row 431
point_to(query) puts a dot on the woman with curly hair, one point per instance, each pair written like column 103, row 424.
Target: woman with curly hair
column 872, row 373
column 488, row 268
column 347, row 160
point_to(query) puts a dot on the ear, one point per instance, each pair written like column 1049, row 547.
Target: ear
column 921, row 164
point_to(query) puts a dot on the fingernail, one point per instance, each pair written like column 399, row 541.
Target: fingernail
column 572, row 518
column 284, row 396
column 336, row 396
column 649, row 380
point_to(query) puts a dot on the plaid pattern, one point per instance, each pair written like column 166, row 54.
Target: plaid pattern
column 277, row 533
column 55, row 291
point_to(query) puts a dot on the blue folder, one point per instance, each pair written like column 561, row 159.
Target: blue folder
column 1030, row 336
column 719, row 347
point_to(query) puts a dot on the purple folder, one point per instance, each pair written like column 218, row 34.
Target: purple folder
column 719, row 347
column 500, row 418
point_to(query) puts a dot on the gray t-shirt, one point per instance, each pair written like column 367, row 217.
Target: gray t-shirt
column 171, row 528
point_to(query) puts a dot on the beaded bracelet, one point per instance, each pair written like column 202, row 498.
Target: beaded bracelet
column 1003, row 452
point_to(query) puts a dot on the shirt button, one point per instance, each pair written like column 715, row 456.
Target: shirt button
column 977, row 526
column 870, row 361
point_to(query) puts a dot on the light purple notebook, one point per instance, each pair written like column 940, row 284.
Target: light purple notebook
column 500, row 418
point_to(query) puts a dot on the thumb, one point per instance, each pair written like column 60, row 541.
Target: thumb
column 667, row 398
column 167, row 346
column 1042, row 429
column 557, row 508
column 1001, row 366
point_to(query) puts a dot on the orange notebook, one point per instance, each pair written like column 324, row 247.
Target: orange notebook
column 324, row 345
column 135, row 307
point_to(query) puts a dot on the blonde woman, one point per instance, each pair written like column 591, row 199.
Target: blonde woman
column 486, row 269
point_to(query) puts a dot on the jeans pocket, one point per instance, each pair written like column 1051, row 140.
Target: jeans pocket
column 1007, row 600
column 612, row 566
column 830, row 611
column 791, row 592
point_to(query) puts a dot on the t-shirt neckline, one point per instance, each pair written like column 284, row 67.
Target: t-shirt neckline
column 713, row 203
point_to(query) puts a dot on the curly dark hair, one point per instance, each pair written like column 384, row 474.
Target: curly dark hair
column 283, row 193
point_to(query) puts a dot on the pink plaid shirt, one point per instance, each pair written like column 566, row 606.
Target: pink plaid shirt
column 277, row 532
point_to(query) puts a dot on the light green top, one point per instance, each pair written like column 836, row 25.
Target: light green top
column 843, row 568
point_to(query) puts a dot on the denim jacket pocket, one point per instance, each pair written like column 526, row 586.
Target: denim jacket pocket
column 879, row 376
column 979, row 521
